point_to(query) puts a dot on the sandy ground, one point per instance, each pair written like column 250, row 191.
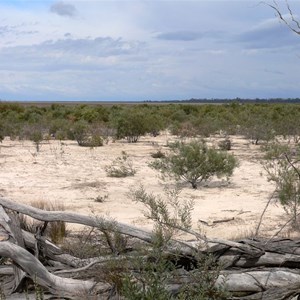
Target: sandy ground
column 75, row 176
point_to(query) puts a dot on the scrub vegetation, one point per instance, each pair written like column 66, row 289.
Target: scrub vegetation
column 128, row 262
column 258, row 122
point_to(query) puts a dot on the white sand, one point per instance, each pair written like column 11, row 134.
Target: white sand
column 75, row 176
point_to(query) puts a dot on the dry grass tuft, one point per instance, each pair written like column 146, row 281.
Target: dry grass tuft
column 56, row 231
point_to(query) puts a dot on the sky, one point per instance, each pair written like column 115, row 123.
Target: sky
column 141, row 50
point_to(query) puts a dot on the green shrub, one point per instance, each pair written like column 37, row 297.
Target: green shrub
column 120, row 167
column 130, row 124
column 85, row 136
column 194, row 162
column 37, row 137
column 152, row 270
column 283, row 168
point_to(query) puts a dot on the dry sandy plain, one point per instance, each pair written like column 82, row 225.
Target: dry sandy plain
column 75, row 176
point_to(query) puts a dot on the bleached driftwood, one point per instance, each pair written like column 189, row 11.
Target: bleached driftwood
column 252, row 269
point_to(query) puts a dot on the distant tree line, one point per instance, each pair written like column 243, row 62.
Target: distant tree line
column 92, row 125
column 229, row 100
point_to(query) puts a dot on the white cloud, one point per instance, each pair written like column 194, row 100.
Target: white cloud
column 64, row 54
column 144, row 50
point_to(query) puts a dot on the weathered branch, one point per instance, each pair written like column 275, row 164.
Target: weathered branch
column 283, row 19
column 98, row 222
column 34, row 268
column 276, row 262
column 263, row 213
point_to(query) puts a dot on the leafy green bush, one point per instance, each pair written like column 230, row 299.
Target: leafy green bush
column 258, row 124
column 37, row 137
column 121, row 167
column 151, row 271
column 84, row 135
column 130, row 124
column 283, row 168
column 194, row 162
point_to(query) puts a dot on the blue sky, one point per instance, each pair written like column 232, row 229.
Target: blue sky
column 142, row 50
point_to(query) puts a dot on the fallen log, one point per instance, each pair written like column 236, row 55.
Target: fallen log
column 101, row 223
column 92, row 221
column 26, row 264
column 34, row 268
column 251, row 268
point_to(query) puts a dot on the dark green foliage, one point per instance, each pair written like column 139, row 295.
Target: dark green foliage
column 60, row 129
column 258, row 122
column 194, row 162
column 91, row 114
column 130, row 124
column 134, row 122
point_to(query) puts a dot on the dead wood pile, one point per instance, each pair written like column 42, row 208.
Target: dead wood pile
column 251, row 268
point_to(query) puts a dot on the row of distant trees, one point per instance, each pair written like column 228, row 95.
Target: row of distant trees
column 93, row 124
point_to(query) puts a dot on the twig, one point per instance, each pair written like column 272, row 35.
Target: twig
column 280, row 16
column 216, row 221
column 284, row 225
column 263, row 213
column 99, row 260
column 292, row 164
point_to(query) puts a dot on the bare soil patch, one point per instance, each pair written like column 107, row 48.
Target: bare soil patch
column 64, row 172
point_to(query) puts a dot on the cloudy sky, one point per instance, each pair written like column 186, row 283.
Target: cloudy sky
column 140, row 50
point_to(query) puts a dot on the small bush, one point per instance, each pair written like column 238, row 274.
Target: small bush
column 158, row 154
column 36, row 136
column 194, row 162
column 84, row 244
column 121, row 167
column 225, row 144
column 85, row 136
column 91, row 141
column 283, row 168
column 156, row 269
column 101, row 198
